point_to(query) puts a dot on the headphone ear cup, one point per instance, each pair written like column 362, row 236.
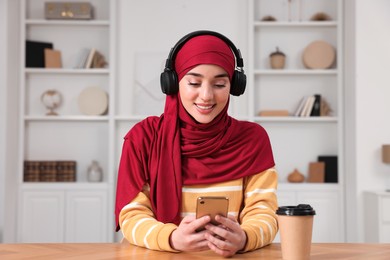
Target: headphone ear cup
column 168, row 82
column 238, row 84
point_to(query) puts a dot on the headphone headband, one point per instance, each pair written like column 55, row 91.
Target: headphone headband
column 175, row 49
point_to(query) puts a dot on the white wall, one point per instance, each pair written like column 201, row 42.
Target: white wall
column 372, row 91
column 148, row 29
column 9, row 58
column 368, row 96
column 3, row 91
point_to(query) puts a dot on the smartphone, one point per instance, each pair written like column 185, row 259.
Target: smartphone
column 212, row 206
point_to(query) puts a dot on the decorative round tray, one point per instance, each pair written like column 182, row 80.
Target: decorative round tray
column 319, row 55
column 93, row 101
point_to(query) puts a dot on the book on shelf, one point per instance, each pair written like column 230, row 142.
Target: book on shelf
column 90, row 58
column 35, row 53
column 316, row 109
column 49, row 171
column 31, row 171
column 316, row 172
column 301, row 105
column 331, row 167
column 88, row 63
column 82, row 59
column 274, row 113
column 309, row 106
column 52, row 58
column 66, row 171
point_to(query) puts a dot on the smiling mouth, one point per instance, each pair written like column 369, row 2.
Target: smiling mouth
column 203, row 107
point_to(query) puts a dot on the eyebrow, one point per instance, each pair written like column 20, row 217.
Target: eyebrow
column 223, row 75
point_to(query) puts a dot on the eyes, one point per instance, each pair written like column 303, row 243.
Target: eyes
column 197, row 83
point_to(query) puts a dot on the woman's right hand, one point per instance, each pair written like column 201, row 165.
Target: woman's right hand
column 186, row 238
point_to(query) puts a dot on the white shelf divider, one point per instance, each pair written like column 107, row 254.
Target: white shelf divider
column 42, row 22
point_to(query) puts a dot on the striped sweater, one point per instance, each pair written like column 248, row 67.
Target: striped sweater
column 252, row 200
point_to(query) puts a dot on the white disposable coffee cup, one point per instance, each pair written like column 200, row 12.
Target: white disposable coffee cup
column 296, row 228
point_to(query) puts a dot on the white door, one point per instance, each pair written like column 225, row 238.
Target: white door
column 42, row 217
column 86, row 216
column 328, row 221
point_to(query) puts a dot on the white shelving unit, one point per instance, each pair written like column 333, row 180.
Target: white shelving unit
column 78, row 211
column 297, row 141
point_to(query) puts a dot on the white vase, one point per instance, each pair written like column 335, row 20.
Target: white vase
column 95, row 172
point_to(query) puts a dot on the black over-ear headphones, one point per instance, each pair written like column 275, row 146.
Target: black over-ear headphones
column 168, row 79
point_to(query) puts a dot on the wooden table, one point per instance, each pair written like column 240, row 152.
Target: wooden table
column 125, row 251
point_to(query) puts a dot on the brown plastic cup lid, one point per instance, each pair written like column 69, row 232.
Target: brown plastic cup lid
column 299, row 210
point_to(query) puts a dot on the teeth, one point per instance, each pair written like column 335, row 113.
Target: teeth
column 204, row 107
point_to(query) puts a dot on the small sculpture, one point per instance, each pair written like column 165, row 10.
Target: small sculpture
column 51, row 99
column 325, row 108
column 320, row 16
column 295, row 176
column 268, row 18
column 277, row 59
column 95, row 172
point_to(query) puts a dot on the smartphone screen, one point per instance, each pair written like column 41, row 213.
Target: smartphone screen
column 212, row 206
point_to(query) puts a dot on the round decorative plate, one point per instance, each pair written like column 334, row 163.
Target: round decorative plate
column 319, row 55
column 93, row 101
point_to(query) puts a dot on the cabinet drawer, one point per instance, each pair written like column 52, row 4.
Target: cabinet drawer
column 385, row 209
column 42, row 217
column 286, row 198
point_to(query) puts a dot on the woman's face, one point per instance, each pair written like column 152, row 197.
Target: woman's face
column 204, row 92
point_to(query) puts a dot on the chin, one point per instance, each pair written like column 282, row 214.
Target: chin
column 203, row 120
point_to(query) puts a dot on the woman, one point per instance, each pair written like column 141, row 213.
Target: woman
column 196, row 149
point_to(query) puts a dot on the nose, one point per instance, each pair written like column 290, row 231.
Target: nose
column 206, row 92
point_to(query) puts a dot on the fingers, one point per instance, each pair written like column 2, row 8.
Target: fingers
column 229, row 223
column 227, row 238
column 184, row 238
column 198, row 224
column 220, row 247
column 187, row 219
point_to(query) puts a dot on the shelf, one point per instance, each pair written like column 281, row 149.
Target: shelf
column 66, row 118
column 64, row 185
column 305, row 186
column 65, row 71
column 296, row 24
column 67, row 22
column 295, row 72
column 138, row 118
column 292, row 119
column 130, row 118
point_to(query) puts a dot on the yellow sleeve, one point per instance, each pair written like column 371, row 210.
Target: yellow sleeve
column 258, row 218
column 140, row 227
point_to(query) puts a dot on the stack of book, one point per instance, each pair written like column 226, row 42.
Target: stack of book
column 31, row 171
column 49, row 171
column 66, row 171
column 91, row 58
column 312, row 106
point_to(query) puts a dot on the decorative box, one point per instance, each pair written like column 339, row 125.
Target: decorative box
column 70, row 11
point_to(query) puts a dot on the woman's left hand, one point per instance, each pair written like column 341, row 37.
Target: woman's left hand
column 227, row 238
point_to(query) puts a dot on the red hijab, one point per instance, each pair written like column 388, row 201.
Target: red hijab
column 173, row 150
